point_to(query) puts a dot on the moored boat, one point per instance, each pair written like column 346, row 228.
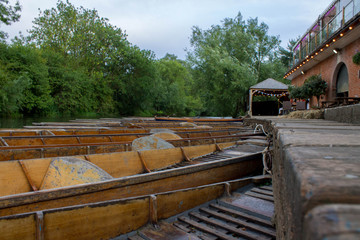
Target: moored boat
column 132, row 174
column 243, row 209
column 208, row 120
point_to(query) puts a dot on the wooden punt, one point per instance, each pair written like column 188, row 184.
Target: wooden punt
column 235, row 209
column 47, row 151
column 93, row 131
column 167, row 122
column 207, row 120
column 134, row 174
column 43, row 140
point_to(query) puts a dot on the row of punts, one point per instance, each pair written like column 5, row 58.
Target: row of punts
column 77, row 180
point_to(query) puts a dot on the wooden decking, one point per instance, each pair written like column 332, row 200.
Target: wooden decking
column 243, row 215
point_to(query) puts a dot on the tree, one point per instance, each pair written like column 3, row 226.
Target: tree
column 315, row 86
column 119, row 76
column 8, row 14
column 24, row 80
column 286, row 54
column 227, row 59
column 175, row 96
column 297, row 92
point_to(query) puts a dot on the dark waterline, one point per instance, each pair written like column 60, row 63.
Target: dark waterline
column 27, row 121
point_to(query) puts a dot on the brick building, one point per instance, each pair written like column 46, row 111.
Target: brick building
column 327, row 48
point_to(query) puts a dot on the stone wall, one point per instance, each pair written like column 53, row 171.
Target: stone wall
column 316, row 178
column 346, row 114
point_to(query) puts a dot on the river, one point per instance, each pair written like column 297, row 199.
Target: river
column 27, row 121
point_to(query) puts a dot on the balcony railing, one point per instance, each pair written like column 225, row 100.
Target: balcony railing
column 316, row 39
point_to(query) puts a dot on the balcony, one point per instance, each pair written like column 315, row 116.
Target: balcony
column 331, row 24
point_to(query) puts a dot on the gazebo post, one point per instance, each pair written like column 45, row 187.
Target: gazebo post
column 250, row 102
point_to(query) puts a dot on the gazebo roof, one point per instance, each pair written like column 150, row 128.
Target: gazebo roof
column 270, row 84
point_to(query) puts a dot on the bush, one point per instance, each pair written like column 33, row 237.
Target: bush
column 356, row 58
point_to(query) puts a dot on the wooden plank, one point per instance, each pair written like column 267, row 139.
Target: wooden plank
column 18, row 227
column 97, row 221
column 128, row 187
column 143, row 162
column 12, row 179
column 243, row 215
column 166, row 231
column 245, row 224
column 153, row 210
column 264, row 192
column 160, row 158
column 4, row 142
column 26, row 172
column 37, row 170
column 234, row 230
column 177, row 202
column 118, row 164
column 207, row 229
column 261, row 196
column 269, row 188
column 39, row 225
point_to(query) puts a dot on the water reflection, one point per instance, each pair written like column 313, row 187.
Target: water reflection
column 27, row 121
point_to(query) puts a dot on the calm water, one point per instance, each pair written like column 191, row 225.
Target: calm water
column 27, row 121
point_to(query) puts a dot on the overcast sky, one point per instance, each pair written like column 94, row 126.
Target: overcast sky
column 164, row 26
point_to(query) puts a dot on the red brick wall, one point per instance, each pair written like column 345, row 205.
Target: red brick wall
column 329, row 69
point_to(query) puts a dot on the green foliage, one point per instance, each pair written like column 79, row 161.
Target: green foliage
column 356, row 58
column 313, row 86
column 75, row 62
column 297, row 92
column 23, row 68
column 8, row 14
column 175, row 96
column 228, row 59
column 286, row 54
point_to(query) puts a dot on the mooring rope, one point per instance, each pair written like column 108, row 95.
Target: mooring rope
column 267, row 161
column 261, row 127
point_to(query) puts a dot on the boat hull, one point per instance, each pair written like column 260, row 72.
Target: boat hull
column 143, row 184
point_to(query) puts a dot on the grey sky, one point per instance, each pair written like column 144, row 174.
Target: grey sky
column 164, row 26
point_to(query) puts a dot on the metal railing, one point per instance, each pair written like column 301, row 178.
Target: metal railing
column 335, row 24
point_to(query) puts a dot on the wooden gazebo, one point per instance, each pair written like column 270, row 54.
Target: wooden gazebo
column 268, row 87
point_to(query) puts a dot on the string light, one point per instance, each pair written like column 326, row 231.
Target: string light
column 258, row 93
column 317, row 53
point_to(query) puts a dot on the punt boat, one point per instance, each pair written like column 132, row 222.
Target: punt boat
column 236, row 209
column 39, row 184
column 206, row 120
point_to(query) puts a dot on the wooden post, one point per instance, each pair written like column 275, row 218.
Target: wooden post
column 40, row 226
column 143, row 162
column 153, row 211
column 250, row 101
column 185, row 155
column 227, row 189
column 27, row 175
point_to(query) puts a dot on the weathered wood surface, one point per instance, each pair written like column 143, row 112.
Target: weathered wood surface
column 116, row 164
column 45, row 151
column 109, row 219
column 43, row 140
column 188, row 176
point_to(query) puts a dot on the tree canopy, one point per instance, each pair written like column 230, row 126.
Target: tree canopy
column 314, row 86
column 8, row 14
column 229, row 58
column 74, row 61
